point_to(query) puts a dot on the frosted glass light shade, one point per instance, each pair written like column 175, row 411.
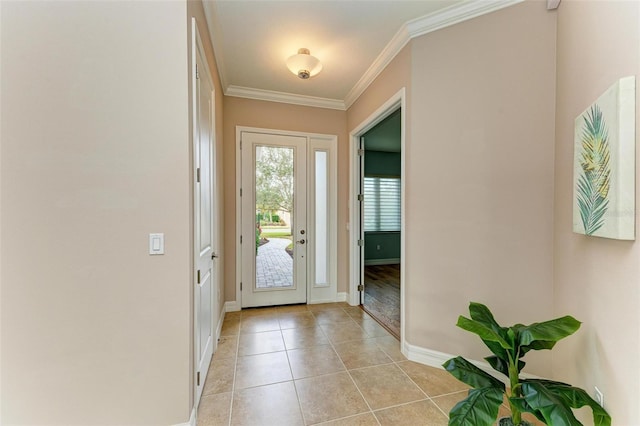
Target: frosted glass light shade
column 303, row 64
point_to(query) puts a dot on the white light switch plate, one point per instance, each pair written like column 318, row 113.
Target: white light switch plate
column 156, row 243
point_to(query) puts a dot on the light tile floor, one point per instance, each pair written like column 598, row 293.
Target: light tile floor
column 327, row 364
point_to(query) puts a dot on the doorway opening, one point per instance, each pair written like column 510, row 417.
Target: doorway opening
column 381, row 220
column 377, row 215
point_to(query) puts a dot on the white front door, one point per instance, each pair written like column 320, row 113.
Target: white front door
column 273, row 222
column 205, row 285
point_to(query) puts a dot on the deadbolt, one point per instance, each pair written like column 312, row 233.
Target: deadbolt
column 302, row 232
column 300, row 241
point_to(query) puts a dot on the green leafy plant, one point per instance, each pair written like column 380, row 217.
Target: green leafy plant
column 551, row 402
column 592, row 190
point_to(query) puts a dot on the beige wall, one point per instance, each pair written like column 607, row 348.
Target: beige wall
column 479, row 177
column 279, row 116
column 95, row 156
column 394, row 77
column 596, row 279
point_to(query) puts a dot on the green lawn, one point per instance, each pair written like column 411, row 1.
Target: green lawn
column 275, row 232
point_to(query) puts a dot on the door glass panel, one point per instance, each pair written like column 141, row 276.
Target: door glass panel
column 274, row 184
column 321, row 215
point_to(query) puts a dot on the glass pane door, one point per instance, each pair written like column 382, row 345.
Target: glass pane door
column 274, row 184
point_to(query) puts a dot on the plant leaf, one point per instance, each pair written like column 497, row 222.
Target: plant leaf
column 502, row 365
column 471, row 375
column 482, row 314
column 479, row 408
column 544, row 335
column 485, row 332
column 554, row 400
column 497, row 349
column 592, row 188
column 522, row 405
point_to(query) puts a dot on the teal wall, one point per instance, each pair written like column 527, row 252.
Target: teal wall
column 389, row 243
column 377, row 163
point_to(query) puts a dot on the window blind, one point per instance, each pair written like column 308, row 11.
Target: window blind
column 381, row 204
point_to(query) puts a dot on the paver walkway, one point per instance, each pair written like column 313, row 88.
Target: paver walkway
column 274, row 266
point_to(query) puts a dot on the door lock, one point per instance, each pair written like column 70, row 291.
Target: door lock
column 302, row 232
column 301, row 241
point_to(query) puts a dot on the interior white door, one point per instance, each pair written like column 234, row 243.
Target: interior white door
column 273, row 183
column 205, row 286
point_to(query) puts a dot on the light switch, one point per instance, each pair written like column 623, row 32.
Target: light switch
column 156, row 243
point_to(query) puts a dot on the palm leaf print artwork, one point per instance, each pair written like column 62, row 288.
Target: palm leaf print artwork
column 593, row 184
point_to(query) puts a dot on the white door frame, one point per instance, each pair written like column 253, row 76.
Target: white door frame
column 396, row 101
column 197, row 49
column 329, row 143
column 297, row 292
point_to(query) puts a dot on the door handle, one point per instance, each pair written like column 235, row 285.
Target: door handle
column 301, row 241
column 214, row 256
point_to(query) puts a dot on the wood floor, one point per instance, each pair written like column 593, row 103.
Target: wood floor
column 382, row 295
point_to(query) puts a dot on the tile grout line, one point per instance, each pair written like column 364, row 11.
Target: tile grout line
column 345, row 370
column 426, row 394
column 293, row 379
column 235, row 371
column 351, row 377
column 332, row 345
column 400, row 405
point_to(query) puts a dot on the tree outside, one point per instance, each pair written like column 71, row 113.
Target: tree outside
column 274, row 180
column 274, row 202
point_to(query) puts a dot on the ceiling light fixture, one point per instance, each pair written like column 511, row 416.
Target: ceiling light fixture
column 303, row 64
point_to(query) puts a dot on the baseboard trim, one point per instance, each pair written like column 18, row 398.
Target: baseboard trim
column 231, row 306
column 192, row 419
column 340, row 297
column 371, row 262
column 435, row 359
column 221, row 321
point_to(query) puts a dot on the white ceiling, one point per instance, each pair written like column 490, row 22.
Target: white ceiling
column 354, row 40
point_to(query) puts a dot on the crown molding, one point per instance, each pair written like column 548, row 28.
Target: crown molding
column 399, row 40
column 415, row 28
column 419, row 27
column 287, row 98
column 454, row 15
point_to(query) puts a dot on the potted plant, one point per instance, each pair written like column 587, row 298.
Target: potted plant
column 551, row 402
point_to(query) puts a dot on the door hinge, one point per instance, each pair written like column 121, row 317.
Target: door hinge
column 241, row 192
column 360, row 197
column 198, row 378
column 360, row 243
column 360, row 287
column 240, row 286
column 240, row 239
column 198, row 276
column 198, row 174
column 360, row 152
column 241, row 144
column 197, row 72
